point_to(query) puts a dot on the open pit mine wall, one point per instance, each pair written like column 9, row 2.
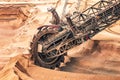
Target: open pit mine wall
column 62, row 6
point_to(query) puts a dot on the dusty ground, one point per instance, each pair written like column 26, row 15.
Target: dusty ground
column 97, row 59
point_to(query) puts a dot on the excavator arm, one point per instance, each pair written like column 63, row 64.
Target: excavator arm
column 57, row 39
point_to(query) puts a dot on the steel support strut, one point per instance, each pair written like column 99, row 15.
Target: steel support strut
column 90, row 22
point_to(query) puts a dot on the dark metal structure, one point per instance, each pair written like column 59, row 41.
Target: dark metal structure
column 52, row 42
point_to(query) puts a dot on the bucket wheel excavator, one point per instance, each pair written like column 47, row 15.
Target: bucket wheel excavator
column 51, row 43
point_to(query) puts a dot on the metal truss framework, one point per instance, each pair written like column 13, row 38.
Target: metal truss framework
column 85, row 25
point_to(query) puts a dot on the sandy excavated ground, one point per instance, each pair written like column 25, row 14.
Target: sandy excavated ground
column 96, row 59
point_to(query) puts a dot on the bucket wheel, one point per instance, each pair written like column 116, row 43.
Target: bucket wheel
column 38, row 55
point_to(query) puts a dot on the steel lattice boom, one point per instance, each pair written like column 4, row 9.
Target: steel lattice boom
column 58, row 38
